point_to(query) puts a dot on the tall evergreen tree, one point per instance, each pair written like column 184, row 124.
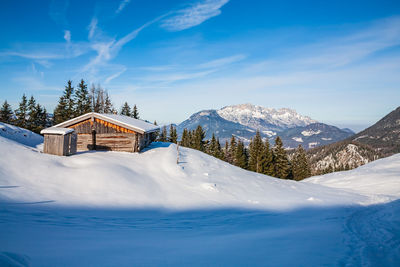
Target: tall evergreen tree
column 256, row 153
column 83, row 100
column 281, row 161
column 185, row 141
column 232, row 150
column 108, row 106
column 65, row 109
column 126, row 110
column 268, row 164
column 198, row 138
column 240, row 155
column 21, row 112
column 32, row 114
column 6, row 113
column 173, row 136
column 300, row 165
column 135, row 112
column 227, row 157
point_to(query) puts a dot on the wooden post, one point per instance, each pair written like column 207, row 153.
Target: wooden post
column 177, row 153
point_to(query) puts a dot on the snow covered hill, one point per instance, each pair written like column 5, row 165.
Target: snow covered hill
column 20, row 135
column 153, row 179
column 130, row 209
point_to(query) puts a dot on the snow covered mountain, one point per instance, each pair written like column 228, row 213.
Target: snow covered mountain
column 244, row 120
column 114, row 208
column 264, row 119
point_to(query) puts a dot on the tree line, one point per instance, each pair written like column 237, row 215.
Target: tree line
column 258, row 156
column 72, row 103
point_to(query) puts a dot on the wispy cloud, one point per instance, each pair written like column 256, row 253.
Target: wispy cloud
column 220, row 62
column 122, row 5
column 92, row 27
column 115, row 75
column 194, row 15
column 107, row 50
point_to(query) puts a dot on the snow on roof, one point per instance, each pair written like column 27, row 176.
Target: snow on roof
column 56, row 130
column 136, row 123
column 122, row 120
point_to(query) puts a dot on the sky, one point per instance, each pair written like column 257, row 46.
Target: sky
column 335, row 61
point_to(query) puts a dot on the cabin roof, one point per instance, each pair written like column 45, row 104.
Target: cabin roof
column 120, row 120
column 57, row 130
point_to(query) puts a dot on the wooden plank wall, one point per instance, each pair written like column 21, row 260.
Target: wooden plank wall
column 54, row 144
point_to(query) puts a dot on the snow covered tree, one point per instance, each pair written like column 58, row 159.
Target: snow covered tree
column 21, row 112
column 83, row 100
column 6, row 113
column 300, row 165
column 135, row 112
column 126, row 110
column 281, row 161
column 173, row 136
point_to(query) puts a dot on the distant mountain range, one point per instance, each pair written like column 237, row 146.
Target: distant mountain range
column 380, row 140
column 244, row 120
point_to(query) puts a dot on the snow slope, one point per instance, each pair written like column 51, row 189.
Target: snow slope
column 380, row 180
column 124, row 209
column 20, row 135
column 151, row 179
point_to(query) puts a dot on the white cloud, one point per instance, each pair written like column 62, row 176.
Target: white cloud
column 194, row 15
column 92, row 27
column 67, row 36
column 115, row 75
column 220, row 62
column 122, row 5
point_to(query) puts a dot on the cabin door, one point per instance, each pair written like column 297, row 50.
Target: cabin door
column 93, row 139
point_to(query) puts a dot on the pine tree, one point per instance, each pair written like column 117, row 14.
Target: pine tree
column 173, row 136
column 240, row 155
column 135, row 112
column 65, row 109
column 6, row 113
column 219, row 153
column 212, row 148
column 256, row 154
column 126, row 110
column 21, row 112
column 281, row 162
column 185, row 141
column 300, row 165
column 32, row 114
column 83, row 99
column 268, row 164
column 232, row 150
column 226, row 152
column 108, row 106
column 198, row 138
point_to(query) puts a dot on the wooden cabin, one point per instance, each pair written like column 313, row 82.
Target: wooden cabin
column 97, row 131
column 59, row 141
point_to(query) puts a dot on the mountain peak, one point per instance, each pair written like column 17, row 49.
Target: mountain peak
column 257, row 116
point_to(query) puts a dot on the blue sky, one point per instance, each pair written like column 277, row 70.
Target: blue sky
column 335, row 61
